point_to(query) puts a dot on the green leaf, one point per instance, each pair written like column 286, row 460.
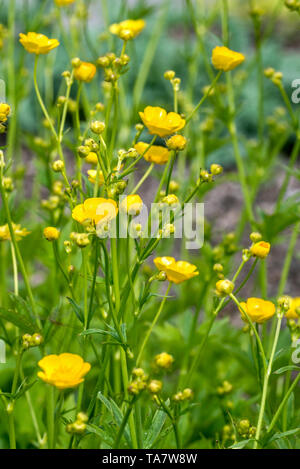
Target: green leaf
column 92, row 428
column 20, row 320
column 286, row 368
column 154, row 431
column 241, row 444
column 278, row 436
column 77, row 309
column 116, row 413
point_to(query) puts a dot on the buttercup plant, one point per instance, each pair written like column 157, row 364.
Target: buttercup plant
column 122, row 328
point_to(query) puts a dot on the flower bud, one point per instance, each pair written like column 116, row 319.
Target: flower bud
column 97, row 127
column 260, row 249
column 164, row 360
column 224, row 287
column 216, row 169
column 51, row 233
column 177, row 143
column 58, row 166
column 155, row 386
column 169, row 75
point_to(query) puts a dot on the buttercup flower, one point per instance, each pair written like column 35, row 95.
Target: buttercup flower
column 128, row 29
column 161, row 123
column 85, row 72
column 176, row 271
column 62, row 3
column 37, row 43
column 260, row 249
column 92, row 176
column 63, row 371
column 226, row 59
column 95, row 209
column 155, row 154
column 18, row 231
column 294, row 311
column 258, row 310
column 91, row 158
column 51, row 233
column 132, row 204
column 4, row 112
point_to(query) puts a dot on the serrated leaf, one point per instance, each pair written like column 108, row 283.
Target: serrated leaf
column 92, row 428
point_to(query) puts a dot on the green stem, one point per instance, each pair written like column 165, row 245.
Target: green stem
column 143, row 179
column 288, row 259
column 266, row 382
column 156, row 317
column 17, row 251
column 213, row 84
column 123, row 424
column 283, row 403
column 50, row 416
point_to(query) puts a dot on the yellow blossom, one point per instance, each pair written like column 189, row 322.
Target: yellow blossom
column 4, row 112
column 92, row 176
column 155, row 154
column 164, row 360
column 37, row 43
column 260, row 249
column 258, row 310
column 132, row 204
column 62, row 3
column 226, row 59
column 161, row 123
column 91, row 158
column 18, row 231
column 51, row 233
column 85, row 72
column 132, row 27
column 176, row 271
column 63, row 371
column 294, row 311
column 95, row 209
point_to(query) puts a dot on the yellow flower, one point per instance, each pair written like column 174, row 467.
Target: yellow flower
column 64, row 371
column 161, row 123
column 258, row 310
column 164, row 360
column 92, row 176
column 132, row 204
column 129, row 28
column 18, row 231
column 91, row 158
column 62, row 3
column 37, row 43
column 260, row 249
column 95, row 209
column 226, row 59
column 177, row 143
column 156, row 153
column 85, row 72
column 4, row 112
column 51, row 233
column 294, row 311
column 176, row 271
